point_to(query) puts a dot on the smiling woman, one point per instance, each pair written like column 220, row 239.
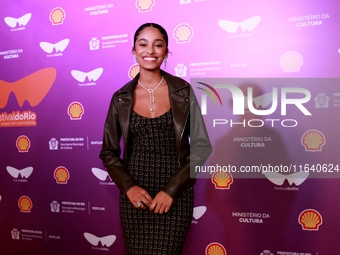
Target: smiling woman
column 150, row 50
column 152, row 114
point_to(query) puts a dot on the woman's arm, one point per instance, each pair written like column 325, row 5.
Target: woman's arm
column 111, row 150
column 200, row 149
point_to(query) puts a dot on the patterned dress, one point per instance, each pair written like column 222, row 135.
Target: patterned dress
column 153, row 161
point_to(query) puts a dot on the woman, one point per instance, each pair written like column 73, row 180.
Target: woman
column 152, row 114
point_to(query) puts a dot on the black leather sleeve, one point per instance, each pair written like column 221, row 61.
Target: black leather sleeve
column 111, row 150
column 194, row 154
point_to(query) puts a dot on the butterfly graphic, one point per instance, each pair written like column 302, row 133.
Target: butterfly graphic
column 33, row 88
column 100, row 174
column 105, row 240
column 24, row 173
column 232, row 26
column 59, row 46
column 263, row 100
column 278, row 178
column 91, row 76
column 199, row 211
column 23, row 20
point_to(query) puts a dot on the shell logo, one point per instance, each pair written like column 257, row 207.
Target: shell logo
column 75, row 110
column 61, row 174
column 310, row 220
column 291, row 61
column 222, row 180
column 313, row 140
column 183, row 33
column 133, row 71
column 25, row 204
column 57, row 16
column 145, row 5
column 23, row 143
column 215, row 249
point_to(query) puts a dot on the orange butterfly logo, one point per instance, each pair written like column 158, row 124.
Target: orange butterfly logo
column 33, row 87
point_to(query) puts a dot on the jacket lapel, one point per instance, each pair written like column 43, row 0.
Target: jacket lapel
column 125, row 103
column 180, row 106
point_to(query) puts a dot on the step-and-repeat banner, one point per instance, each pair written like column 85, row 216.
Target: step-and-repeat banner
column 265, row 76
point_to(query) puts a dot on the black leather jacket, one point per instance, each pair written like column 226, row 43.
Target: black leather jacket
column 185, row 112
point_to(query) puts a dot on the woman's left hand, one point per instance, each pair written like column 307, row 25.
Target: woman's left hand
column 161, row 203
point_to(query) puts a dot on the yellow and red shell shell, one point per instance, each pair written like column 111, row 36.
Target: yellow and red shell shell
column 25, row 204
column 61, row 174
column 23, row 143
column 222, row 180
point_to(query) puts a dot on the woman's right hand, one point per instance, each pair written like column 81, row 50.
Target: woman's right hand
column 139, row 197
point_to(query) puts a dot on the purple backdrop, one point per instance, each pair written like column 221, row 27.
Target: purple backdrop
column 61, row 62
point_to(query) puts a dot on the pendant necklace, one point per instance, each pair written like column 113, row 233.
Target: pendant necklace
column 151, row 92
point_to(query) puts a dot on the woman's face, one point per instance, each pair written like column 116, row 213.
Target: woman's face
column 150, row 49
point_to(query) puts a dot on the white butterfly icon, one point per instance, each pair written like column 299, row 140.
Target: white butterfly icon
column 199, row 211
column 23, row 20
column 25, row 172
column 278, row 179
column 105, row 240
column 263, row 100
column 100, row 174
column 232, row 26
column 92, row 75
column 59, row 46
